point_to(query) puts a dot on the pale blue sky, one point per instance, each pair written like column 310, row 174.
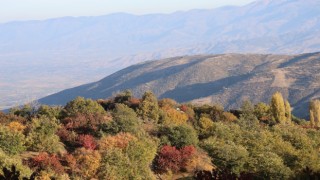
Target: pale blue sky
column 42, row 9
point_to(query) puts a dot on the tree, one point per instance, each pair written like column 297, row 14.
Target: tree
column 262, row 111
column 12, row 142
column 124, row 120
column 174, row 117
column 315, row 111
column 149, row 108
column 45, row 161
column 132, row 162
column 42, row 136
column 179, row 136
column 88, row 162
column 227, row 155
column 87, row 141
column 288, row 111
column 50, row 111
column 81, row 105
column 312, row 123
column 277, row 108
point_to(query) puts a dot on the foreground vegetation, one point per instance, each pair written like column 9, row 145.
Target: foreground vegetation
column 129, row 138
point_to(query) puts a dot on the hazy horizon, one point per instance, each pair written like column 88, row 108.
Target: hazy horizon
column 15, row 10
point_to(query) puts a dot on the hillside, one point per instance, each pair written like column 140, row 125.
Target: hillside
column 84, row 49
column 225, row 79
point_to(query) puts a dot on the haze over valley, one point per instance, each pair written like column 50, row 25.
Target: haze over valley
column 38, row 58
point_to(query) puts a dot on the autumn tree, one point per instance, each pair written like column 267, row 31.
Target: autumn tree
column 277, row 108
column 88, row 162
column 173, row 117
column 288, row 111
column 149, row 108
column 45, row 161
column 315, row 112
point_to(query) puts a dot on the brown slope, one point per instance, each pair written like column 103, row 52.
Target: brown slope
column 225, row 79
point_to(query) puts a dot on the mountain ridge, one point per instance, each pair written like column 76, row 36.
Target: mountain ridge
column 225, row 79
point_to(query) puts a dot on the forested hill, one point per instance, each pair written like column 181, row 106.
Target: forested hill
column 225, row 79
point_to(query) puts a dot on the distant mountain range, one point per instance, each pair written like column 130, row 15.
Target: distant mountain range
column 226, row 79
column 38, row 58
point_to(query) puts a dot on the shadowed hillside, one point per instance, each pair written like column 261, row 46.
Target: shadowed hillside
column 226, row 79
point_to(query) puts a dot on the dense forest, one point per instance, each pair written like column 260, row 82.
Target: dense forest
column 124, row 137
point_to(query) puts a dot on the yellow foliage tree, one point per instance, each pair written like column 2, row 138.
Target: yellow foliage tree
column 288, row 111
column 174, row 117
column 16, row 126
column 277, row 108
column 121, row 141
column 88, row 162
column 315, row 113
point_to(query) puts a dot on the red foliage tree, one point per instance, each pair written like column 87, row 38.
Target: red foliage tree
column 87, row 141
column 46, row 161
column 187, row 153
column 171, row 158
column 184, row 108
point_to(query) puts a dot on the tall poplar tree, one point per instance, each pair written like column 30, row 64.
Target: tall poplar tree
column 288, row 111
column 315, row 112
column 277, row 108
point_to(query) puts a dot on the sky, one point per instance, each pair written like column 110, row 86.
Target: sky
column 12, row 10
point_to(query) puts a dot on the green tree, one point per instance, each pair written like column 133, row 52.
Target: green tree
column 227, row 155
column 81, row 105
column 132, row 162
column 124, row 120
column 12, row 142
column 149, row 108
column 50, row 111
column 277, row 108
column 42, row 136
column 179, row 136
column 262, row 111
